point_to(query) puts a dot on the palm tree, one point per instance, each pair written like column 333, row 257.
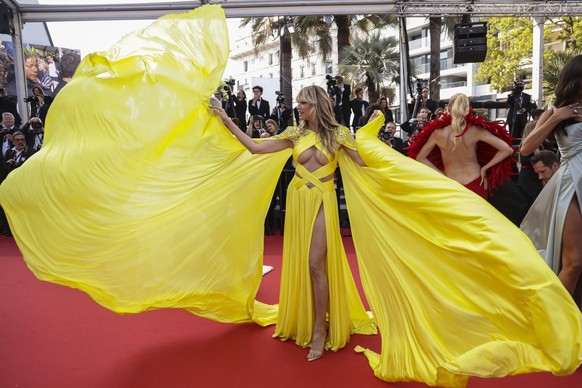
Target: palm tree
column 372, row 62
column 319, row 29
column 437, row 25
column 315, row 29
column 268, row 28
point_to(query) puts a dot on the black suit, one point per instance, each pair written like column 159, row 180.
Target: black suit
column 240, row 107
column 516, row 117
column 342, row 108
column 398, row 145
column 263, row 109
column 282, row 116
column 358, row 107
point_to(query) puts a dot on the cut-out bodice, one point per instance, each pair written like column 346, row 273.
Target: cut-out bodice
column 306, row 139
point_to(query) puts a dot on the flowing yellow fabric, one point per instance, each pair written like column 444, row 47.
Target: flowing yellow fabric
column 139, row 196
column 457, row 290
column 306, row 194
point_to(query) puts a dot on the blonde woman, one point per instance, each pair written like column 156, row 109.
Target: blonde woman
column 315, row 280
column 457, row 137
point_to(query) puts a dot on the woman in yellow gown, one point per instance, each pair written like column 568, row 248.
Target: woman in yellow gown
column 144, row 200
column 315, row 272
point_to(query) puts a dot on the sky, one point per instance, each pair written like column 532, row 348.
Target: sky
column 90, row 37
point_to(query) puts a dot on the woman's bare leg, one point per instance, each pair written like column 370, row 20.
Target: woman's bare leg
column 571, row 247
column 320, row 285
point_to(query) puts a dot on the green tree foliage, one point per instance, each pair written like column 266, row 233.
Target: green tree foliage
column 509, row 51
column 569, row 29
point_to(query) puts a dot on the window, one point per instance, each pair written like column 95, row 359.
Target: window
column 302, row 71
column 328, row 67
column 270, row 58
column 246, row 65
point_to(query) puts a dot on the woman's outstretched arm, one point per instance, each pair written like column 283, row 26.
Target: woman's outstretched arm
column 254, row 147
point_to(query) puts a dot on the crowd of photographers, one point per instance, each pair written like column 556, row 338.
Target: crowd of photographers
column 18, row 145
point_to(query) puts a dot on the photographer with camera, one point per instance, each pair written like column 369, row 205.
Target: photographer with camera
column 281, row 114
column 258, row 105
column 36, row 101
column 519, row 105
column 229, row 105
column 341, row 94
column 416, row 124
column 387, row 136
column 359, row 106
column 7, row 128
column 34, row 130
column 240, row 108
column 256, row 126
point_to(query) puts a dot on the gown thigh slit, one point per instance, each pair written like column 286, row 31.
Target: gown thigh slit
column 346, row 314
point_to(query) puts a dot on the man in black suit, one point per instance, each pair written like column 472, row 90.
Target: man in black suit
column 387, row 136
column 34, row 131
column 7, row 128
column 342, row 107
column 426, row 102
column 359, row 106
column 281, row 114
column 258, row 106
column 13, row 159
column 519, row 105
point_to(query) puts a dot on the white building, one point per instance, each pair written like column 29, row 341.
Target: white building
column 249, row 65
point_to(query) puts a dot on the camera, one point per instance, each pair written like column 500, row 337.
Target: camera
column 36, row 125
column 419, row 88
column 386, row 135
column 280, row 97
column 230, row 82
column 332, row 88
column 517, row 88
column 31, row 99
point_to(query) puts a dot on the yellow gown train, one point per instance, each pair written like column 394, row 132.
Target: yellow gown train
column 456, row 288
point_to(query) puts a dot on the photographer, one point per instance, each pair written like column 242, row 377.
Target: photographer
column 34, row 130
column 387, row 136
column 341, row 94
column 240, row 107
column 36, row 101
column 359, row 106
column 7, row 128
column 229, row 105
column 256, row 126
column 416, row 124
column 281, row 114
column 519, row 104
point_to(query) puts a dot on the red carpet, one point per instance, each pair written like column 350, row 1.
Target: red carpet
column 53, row 336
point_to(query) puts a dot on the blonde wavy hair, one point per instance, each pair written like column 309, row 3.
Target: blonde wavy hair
column 459, row 108
column 323, row 112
